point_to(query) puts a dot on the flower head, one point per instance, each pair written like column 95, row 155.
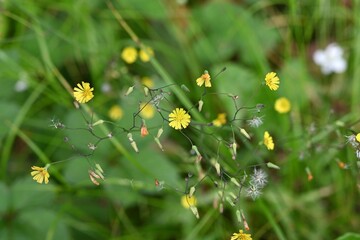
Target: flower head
column 83, row 92
column 352, row 140
column 147, row 111
column 268, row 141
column 148, row 82
column 220, row 120
column 115, row 112
column 282, row 105
column 358, row 137
column 259, row 178
column 187, row 201
column 179, row 119
column 146, row 53
column 272, row 81
column 40, row 174
column 241, row 236
column 205, row 78
column 331, row 59
column 129, row 54
column 253, row 191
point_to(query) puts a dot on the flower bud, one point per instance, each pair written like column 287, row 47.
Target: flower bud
column 130, row 90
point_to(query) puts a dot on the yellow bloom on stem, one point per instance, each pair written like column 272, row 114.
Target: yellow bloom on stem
column 83, row 92
column 40, row 174
column 148, row 82
column 220, row 120
column 282, row 105
column 358, row 137
column 268, row 141
column 115, row 112
column 187, row 201
column 147, row 111
column 179, row 119
column 272, row 81
column 129, row 55
column 146, row 53
column 205, row 78
column 241, row 236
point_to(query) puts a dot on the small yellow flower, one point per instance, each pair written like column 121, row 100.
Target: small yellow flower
column 220, row 120
column 187, row 201
column 148, row 82
column 147, row 111
column 205, row 78
column 40, row 174
column 268, row 141
column 272, row 81
column 115, row 112
column 129, row 55
column 282, row 105
column 83, row 92
column 358, row 137
column 179, row 119
column 241, row 236
column 146, row 54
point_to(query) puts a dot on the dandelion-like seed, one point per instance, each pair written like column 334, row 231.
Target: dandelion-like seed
column 358, row 154
column 129, row 55
column 272, row 81
column 241, row 236
column 255, row 122
column 83, row 92
column 352, row 140
column 179, row 119
column 268, row 141
column 282, row 105
column 259, row 178
column 40, row 174
column 205, row 78
column 253, row 191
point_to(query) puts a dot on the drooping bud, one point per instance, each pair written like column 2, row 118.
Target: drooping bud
column 309, row 174
column 271, row 165
column 183, row 87
column 238, row 216
column 159, row 143
column 192, row 190
column 195, row 211
column 159, row 133
column 233, row 180
column 130, row 90
column 195, row 149
column 98, row 122
column 146, row 91
column 144, row 131
column 201, row 103
column 132, row 142
column 243, row 131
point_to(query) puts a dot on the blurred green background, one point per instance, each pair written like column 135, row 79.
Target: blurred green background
column 47, row 47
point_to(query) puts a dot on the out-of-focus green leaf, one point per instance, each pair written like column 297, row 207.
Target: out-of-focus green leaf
column 4, row 193
column 349, row 236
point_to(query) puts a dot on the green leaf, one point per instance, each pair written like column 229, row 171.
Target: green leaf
column 349, row 236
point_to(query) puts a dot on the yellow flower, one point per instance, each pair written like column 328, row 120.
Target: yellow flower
column 146, row 54
column 268, row 141
column 115, row 112
column 187, row 201
column 83, row 92
column 272, row 81
column 147, row 111
column 148, row 82
column 40, row 174
column 220, row 120
column 241, row 236
column 282, row 105
column 205, row 78
column 179, row 119
column 358, row 137
column 129, row 54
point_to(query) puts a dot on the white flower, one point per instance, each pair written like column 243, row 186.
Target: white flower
column 331, row 59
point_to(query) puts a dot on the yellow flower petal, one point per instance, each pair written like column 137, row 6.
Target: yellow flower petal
column 129, row 55
column 282, row 105
column 268, row 141
column 272, row 81
column 179, row 119
column 83, row 93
